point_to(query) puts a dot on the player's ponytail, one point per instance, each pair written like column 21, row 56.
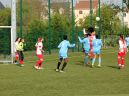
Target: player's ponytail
column 122, row 38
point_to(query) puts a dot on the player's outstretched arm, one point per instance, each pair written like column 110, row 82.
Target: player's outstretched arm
column 80, row 40
column 71, row 45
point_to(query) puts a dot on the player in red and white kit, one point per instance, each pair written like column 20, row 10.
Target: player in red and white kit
column 91, row 37
column 122, row 52
column 39, row 53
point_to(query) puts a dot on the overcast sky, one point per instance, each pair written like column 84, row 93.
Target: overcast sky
column 117, row 2
column 6, row 2
column 112, row 1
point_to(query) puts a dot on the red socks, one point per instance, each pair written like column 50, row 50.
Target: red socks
column 21, row 62
column 39, row 63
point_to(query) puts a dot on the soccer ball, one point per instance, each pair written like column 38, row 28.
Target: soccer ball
column 97, row 18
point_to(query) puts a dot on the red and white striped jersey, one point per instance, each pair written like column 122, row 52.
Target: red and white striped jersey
column 91, row 39
column 122, row 46
column 39, row 46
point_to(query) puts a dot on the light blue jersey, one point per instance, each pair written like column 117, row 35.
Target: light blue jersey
column 96, row 44
column 127, row 41
column 64, row 45
column 86, row 44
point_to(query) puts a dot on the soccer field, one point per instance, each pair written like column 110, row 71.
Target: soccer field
column 77, row 80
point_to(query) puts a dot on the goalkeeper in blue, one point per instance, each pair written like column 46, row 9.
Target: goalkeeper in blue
column 97, row 44
column 64, row 45
column 86, row 46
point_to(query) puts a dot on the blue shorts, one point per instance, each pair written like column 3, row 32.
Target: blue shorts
column 95, row 51
column 63, row 55
column 87, row 51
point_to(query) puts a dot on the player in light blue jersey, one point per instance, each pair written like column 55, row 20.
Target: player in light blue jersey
column 86, row 46
column 97, row 44
column 64, row 45
column 127, row 41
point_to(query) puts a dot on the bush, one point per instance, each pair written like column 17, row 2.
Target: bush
column 111, row 41
column 35, row 30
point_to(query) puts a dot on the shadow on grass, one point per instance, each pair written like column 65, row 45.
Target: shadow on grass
column 80, row 63
column 115, row 67
column 17, row 65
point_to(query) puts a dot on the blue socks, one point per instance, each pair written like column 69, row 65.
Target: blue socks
column 86, row 59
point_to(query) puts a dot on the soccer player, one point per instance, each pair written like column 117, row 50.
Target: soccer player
column 122, row 52
column 86, row 47
column 64, row 45
column 91, row 38
column 16, row 50
column 39, row 53
column 127, row 41
column 96, row 45
column 20, row 52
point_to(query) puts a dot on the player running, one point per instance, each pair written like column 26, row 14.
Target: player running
column 64, row 45
column 122, row 52
column 39, row 53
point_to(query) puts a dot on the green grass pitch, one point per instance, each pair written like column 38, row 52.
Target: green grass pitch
column 77, row 80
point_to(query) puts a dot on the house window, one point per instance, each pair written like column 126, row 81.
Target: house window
column 80, row 12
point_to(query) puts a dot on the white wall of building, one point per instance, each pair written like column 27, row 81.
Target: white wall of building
column 81, row 16
column 126, row 19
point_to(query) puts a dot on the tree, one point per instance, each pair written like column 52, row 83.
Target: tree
column 109, row 20
column 60, row 26
column 111, row 25
column 31, row 10
column 86, row 22
column 35, row 30
column 5, row 34
column 126, row 2
column 5, row 17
